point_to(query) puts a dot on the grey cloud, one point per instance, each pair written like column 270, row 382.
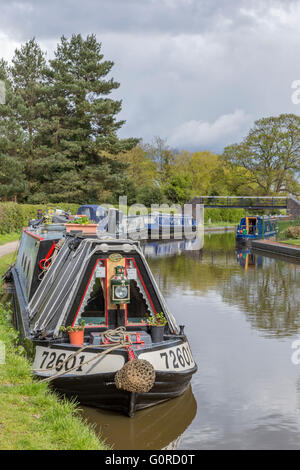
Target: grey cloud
column 183, row 64
column 47, row 20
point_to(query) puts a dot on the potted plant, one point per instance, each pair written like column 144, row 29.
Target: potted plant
column 76, row 333
column 157, row 327
column 81, row 223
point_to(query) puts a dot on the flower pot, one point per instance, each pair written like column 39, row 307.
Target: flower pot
column 157, row 333
column 76, row 337
column 86, row 228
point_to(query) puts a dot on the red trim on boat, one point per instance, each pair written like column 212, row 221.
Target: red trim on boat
column 33, row 235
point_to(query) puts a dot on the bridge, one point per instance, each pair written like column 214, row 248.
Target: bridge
column 243, row 202
column 254, row 203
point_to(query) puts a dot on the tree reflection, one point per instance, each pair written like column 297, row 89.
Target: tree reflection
column 269, row 296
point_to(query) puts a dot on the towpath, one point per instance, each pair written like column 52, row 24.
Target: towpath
column 8, row 248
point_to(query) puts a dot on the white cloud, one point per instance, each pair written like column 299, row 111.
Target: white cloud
column 7, row 46
column 200, row 134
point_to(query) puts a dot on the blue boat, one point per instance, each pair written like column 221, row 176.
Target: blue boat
column 256, row 228
column 170, row 223
column 92, row 212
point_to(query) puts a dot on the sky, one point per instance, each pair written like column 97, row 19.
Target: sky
column 197, row 73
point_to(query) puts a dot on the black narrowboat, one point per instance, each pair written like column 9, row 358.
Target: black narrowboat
column 60, row 281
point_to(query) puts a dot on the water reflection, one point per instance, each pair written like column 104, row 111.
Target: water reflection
column 240, row 324
column 265, row 289
column 161, row 248
column 159, row 427
column 248, row 259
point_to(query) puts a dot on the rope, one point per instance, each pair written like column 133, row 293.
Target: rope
column 57, row 248
column 117, row 336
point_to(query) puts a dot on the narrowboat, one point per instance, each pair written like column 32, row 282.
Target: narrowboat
column 256, row 228
column 166, row 225
column 93, row 212
column 118, row 225
column 123, row 361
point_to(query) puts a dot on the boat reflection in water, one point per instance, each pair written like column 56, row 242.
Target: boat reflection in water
column 159, row 427
column 160, row 248
column 247, row 259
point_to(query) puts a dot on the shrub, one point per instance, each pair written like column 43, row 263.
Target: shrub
column 13, row 217
column 293, row 232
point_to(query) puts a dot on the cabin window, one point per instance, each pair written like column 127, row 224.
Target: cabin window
column 137, row 309
column 140, row 305
column 28, row 266
column 92, row 307
column 96, row 307
column 25, row 264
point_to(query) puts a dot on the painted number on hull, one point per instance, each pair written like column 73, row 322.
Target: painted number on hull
column 53, row 360
column 178, row 358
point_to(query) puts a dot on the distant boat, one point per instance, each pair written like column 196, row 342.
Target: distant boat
column 93, row 212
column 159, row 224
column 117, row 225
column 256, row 228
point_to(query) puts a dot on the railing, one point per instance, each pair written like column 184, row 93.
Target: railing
column 257, row 202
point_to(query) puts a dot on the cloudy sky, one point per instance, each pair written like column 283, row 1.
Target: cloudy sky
column 196, row 72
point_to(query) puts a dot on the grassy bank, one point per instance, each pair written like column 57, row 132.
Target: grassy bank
column 291, row 241
column 9, row 237
column 31, row 416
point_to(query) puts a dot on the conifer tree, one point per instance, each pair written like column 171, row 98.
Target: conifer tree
column 83, row 123
column 12, row 176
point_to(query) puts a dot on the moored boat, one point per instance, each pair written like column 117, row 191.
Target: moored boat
column 256, row 228
column 166, row 225
column 60, row 281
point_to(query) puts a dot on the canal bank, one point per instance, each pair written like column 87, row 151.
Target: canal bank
column 33, row 417
column 277, row 248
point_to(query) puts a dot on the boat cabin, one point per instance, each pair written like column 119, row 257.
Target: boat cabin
column 106, row 283
column 256, row 227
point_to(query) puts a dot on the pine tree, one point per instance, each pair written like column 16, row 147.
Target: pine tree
column 83, row 124
column 28, row 82
column 12, row 177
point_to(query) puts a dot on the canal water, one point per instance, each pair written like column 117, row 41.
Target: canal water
column 241, row 312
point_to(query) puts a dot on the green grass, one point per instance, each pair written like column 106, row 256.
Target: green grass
column 291, row 241
column 31, row 416
column 5, row 262
column 221, row 224
column 9, row 237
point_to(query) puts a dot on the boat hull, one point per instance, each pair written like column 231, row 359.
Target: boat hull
column 99, row 391
column 93, row 384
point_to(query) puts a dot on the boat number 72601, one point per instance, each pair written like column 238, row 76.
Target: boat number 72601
column 177, row 358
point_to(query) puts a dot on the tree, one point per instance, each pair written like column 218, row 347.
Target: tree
column 162, row 156
column 27, row 74
column 12, row 177
column 83, row 123
column 61, row 126
column 270, row 154
column 178, row 189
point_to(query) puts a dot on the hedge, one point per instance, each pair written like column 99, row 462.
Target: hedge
column 13, row 216
column 223, row 215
